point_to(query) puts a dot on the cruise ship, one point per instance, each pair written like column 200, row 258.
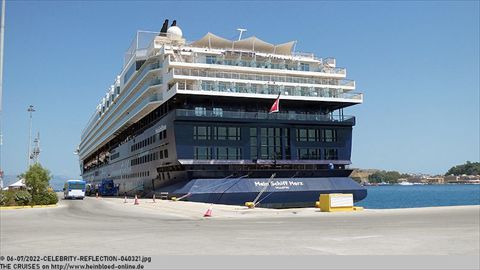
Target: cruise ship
column 223, row 121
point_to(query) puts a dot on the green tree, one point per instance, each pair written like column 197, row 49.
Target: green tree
column 469, row 168
column 384, row 176
column 36, row 180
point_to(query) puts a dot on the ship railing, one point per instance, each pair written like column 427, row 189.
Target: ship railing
column 90, row 123
column 263, row 64
column 284, row 91
column 123, row 104
column 329, row 61
column 260, row 77
column 356, row 96
column 139, row 45
column 265, row 115
column 332, row 70
column 345, row 82
column 304, row 54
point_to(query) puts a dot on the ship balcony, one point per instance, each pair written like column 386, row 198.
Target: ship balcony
column 264, row 91
column 140, row 107
column 186, row 73
column 326, row 69
column 147, row 93
column 328, row 61
column 210, row 115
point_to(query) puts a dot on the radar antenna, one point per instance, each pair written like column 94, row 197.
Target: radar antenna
column 241, row 32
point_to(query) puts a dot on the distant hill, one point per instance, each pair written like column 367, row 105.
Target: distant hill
column 9, row 179
column 57, row 181
column 361, row 175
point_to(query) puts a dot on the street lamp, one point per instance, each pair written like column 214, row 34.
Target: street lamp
column 30, row 110
column 2, row 35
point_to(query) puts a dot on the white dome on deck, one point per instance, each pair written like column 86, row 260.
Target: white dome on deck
column 175, row 32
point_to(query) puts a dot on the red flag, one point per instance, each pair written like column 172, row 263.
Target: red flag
column 276, row 105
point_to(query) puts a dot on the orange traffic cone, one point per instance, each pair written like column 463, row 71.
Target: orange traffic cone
column 209, row 211
column 136, row 200
column 153, row 197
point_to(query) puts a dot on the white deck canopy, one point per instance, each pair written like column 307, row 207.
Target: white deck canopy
column 250, row 44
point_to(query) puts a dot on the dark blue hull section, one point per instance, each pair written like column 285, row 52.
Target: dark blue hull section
column 286, row 192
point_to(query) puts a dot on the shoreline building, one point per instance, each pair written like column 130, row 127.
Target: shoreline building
column 194, row 118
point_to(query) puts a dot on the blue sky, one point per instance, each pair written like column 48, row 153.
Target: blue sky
column 416, row 62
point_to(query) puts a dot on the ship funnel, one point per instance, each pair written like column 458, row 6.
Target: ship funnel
column 164, row 27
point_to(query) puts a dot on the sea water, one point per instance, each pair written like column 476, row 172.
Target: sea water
column 396, row 196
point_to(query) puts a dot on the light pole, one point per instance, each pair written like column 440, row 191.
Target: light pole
column 2, row 33
column 30, row 110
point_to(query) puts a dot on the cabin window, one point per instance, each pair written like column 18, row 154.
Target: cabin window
column 223, row 86
column 229, row 153
column 200, row 111
column 211, row 59
column 221, row 133
column 234, row 133
column 207, row 86
column 270, row 143
column 218, row 112
column 304, row 67
column 227, row 133
column 329, row 135
column 301, row 135
column 312, row 135
column 241, row 87
column 330, row 154
column 201, row 133
column 253, row 143
column 308, row 153
column 201, row 152
column 308, row 135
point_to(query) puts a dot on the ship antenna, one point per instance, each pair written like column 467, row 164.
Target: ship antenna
column 241, row 32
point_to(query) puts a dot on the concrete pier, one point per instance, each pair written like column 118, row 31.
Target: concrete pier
column 110, row 226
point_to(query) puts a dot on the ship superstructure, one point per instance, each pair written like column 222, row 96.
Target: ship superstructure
column 183, row 115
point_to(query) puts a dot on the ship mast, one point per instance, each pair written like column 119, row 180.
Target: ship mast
column 2, row 32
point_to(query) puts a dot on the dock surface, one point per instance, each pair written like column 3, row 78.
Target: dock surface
column 110, row 226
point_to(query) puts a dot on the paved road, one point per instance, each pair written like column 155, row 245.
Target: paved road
column 95, row 226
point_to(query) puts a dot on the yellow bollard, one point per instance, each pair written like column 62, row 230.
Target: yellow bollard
column 174, row 199
column 250, row 205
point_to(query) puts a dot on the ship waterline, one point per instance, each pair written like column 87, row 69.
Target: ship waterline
column 193, row 118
